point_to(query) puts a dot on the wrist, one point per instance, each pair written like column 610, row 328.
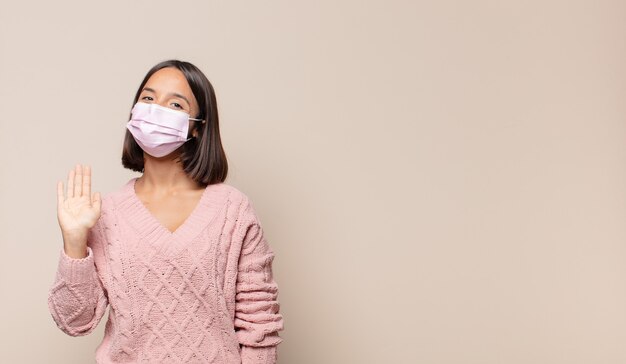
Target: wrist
column 75, row 242
column 76, row 253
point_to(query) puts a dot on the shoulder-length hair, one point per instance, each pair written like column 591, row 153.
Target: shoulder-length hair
column 203, row 158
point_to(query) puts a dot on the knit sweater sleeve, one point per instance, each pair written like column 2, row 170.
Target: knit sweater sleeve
column 77, row 300
column 257, row 317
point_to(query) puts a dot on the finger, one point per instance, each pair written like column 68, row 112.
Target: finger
column 78, row 181
column 60, row 197
column 70, row 184
column 87, row 181
column 96, row 200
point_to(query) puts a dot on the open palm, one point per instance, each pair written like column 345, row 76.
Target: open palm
column 80, row 209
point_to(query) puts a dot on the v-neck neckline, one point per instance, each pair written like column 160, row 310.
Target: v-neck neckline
column 154, row 233
column 180, row 227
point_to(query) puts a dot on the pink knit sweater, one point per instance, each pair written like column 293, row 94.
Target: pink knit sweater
column 203, row 294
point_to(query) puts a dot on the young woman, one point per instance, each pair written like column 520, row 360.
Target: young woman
column 178, row 255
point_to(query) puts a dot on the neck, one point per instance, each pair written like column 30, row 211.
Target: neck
column 165, row 174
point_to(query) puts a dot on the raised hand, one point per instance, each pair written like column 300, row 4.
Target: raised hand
column 78, row 211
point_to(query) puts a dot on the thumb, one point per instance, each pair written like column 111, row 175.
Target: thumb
column 96, row 200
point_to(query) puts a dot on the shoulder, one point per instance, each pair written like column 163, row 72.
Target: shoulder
column 108, row 213
column 118, row 196
column 233, row 193
column 239, row 202
column 235, row 197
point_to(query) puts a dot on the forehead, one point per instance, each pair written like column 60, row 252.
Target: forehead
column 169, row 80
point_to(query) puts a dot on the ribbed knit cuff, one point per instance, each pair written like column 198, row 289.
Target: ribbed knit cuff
column 73, row 270
column 259, row 355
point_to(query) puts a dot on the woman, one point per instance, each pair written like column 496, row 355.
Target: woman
column 178, row 254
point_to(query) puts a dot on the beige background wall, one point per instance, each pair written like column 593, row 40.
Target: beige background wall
column 442, row 182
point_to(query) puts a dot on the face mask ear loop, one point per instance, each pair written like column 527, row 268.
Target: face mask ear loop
column 203, row 121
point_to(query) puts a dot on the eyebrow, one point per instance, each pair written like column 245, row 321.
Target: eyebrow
column 173, row 93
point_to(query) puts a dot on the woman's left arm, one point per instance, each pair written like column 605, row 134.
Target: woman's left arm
column 257, row 317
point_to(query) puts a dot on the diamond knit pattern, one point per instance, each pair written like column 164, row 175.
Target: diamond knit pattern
column 204, row 293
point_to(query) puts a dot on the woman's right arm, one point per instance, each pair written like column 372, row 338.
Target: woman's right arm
column 77, row 300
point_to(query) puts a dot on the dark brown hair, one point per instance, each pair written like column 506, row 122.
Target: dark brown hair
column 203, row 157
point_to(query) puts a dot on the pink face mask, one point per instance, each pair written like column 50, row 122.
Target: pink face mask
column 158, row 130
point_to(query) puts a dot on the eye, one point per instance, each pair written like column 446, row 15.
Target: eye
column 147, row 97
column 177, row 105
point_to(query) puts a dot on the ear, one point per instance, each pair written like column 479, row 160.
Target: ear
column 197, row 128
